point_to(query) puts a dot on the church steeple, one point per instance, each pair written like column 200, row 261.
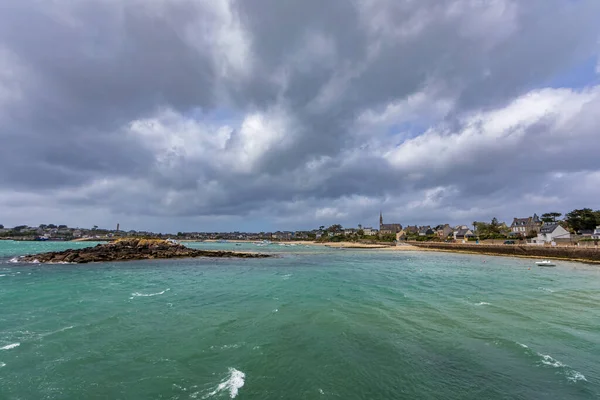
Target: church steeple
column 380, row 218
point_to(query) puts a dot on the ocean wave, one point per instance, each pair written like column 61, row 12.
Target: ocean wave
column 483, row 303
column 545, row 289
column 548, row 360
column 2, row 274
column 233, row 384
column 56, row 331
column 570, row 373
column 136, row 294
column 226, row 347
column 10, row 346
column 2, row 364
column 575, row 376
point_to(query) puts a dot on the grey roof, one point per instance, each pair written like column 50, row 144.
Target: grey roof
column 462, row 232
column 549, row 228
column 520, row 221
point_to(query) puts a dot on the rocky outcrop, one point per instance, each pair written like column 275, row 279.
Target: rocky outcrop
column 132, row 249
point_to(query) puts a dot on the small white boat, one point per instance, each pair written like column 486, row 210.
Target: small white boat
column 545, row 263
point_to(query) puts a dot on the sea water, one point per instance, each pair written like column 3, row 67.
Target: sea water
column 312, row 323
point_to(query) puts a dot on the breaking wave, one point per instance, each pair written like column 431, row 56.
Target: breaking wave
column 233, row 384
column 10, row 346
column 545, row 289
column 136, row 294
column 546, row 360
column 575, row 376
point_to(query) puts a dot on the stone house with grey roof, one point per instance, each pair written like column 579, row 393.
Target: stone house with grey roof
column 525, row 226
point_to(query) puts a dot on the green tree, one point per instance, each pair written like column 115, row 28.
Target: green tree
column 551, row 216
column 1, row 226
column 494, row 227
column 335, row 228
column 481, row 228
column 582, row 219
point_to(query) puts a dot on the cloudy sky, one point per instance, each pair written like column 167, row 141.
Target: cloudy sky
column 205, row 115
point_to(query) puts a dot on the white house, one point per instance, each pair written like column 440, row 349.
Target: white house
column 369, row 231
column 550, row 232
column 596, row 234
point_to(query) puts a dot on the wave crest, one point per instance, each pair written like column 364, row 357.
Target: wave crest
column 136, row 294
column 233, row 384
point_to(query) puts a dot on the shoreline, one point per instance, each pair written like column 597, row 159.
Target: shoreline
column 487, row 250
column 500, row 251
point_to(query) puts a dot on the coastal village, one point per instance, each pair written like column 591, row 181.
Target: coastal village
column 576, row 227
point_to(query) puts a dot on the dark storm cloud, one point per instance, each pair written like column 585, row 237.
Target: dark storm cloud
column 296, row 77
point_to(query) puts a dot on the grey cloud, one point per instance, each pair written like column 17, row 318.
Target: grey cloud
column 88, row 69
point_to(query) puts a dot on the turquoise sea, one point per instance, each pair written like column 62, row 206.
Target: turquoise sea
column 313, row 323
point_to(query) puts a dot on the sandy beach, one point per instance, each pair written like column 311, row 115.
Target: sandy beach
column 338, row 245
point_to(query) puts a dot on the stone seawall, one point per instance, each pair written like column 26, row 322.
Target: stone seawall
column 591, row 255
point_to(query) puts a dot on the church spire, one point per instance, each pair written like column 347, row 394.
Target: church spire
column 380, row 218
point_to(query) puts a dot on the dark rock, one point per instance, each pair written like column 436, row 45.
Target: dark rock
column 132, row 249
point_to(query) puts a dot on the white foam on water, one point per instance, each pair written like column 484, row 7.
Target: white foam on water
column 226, row 347
column 545, row 289
column 10, row 346
column 523, row 345
column 570, row 373
column 136, row 294
column 548, row 360
column 2, row 364
column 233, row 384
column 14, row 260
column 575, row 376
column 321, row 391
column 276, row 310
column 483, row 303
column 286, row 277
column 2, row 274
column 66, row 328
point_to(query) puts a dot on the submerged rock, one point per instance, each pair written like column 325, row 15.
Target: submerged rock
column 132, row 249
